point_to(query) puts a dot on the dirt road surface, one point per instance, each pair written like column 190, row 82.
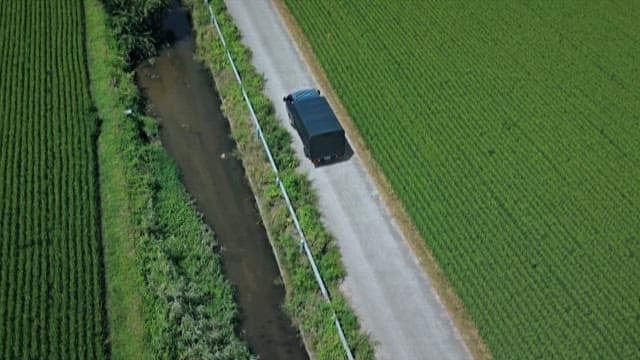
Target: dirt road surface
column 393, row 298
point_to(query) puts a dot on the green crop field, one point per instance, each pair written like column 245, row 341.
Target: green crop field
column 511, row 133
column 50, row 273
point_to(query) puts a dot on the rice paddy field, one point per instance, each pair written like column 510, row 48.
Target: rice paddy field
column 511, row 133
column 51, row 305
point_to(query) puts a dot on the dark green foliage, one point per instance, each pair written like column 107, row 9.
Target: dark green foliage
column 135, row 24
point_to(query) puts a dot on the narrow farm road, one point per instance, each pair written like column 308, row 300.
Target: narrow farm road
column 391, row 295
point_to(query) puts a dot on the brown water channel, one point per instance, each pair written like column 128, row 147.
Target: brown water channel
column 181, row 94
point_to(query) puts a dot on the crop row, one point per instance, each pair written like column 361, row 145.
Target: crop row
column 50, row 297
column 510, row 133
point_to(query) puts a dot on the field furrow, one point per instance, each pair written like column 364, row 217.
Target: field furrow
column 511, row 134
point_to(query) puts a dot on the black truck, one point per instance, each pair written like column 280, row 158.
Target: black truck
column 321, row 133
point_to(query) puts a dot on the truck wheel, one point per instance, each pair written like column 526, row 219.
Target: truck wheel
column 291, row 120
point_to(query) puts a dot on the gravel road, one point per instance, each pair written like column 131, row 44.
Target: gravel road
column 393, row 298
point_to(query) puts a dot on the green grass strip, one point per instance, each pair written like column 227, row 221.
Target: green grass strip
column 124, row 278
column 304, row 302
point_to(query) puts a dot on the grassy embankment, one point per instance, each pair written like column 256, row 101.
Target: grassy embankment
column 166, row 295
column 303, row 302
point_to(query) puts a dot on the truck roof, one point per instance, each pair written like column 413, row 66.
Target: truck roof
column 316, row 114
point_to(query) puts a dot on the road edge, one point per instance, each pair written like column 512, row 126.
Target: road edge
column 304, row 305
column 453, row 304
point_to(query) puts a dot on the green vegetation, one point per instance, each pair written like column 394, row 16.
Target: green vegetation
column 510, row 132
column 124, row 281
column 134, row 23
column 303, row 302
column 166, row 294
column 51, row 303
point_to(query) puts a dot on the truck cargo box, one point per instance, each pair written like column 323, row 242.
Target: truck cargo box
column 320, row 131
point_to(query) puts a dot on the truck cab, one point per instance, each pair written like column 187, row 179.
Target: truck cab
column 322, row 135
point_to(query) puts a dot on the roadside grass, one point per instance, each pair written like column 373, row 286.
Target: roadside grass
column 303, row 301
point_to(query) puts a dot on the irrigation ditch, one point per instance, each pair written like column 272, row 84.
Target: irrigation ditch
column 180, row 93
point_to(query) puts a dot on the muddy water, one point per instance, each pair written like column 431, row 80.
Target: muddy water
column 182, row 96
